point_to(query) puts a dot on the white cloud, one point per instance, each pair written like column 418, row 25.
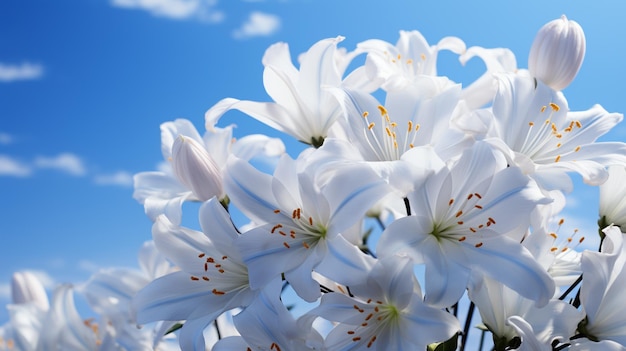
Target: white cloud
column 66, row 162
column 120, row 178
column 88, row 266
column 258, row 24
column 6, row 138
column 11, row 167
column 175, row 9
column 25, row 71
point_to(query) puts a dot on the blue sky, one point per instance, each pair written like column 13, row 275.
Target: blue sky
column 85, row 84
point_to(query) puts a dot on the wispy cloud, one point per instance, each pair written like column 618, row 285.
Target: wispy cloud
column 258, row 24
column 12, row 167
column 120, row 178
column 203, row 10
column 24, row 71
column 65, row 162
column 6, row 138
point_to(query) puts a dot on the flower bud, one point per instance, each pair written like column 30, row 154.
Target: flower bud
column 195, row 168
column 26, row 288
column 557, row 53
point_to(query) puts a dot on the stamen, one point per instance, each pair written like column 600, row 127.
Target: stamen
column 478, row 245
column 286, row 245
column 554, row 107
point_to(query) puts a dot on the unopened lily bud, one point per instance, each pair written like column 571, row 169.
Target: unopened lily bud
column 196, row 169
column 557, row 53
column 26, row 288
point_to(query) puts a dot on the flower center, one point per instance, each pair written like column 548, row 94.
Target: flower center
column 302, row 231
column 387, row 141
column 547, row 137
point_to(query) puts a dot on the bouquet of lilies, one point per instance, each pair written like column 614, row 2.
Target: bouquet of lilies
column 396, row 223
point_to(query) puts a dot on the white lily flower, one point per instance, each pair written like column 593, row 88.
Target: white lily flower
column 557, row 53
column 212, row 277
column 195, row 168
column 266, row 324
column 199, row 175
column 386, row 312
column 64, row 329
column 497, row 304
column 302, row 220
column 613, row 198
column 301, row 107
column 466, row 217
column 26, row 288
column 532, row 125
column 589, row 345
column 396, row 67
column 601, row 293
column 417, row 115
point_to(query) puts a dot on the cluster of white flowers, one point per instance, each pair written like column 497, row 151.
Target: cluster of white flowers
column 398, row 214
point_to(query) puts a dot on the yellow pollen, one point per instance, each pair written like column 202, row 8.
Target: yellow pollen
column 581, row 239
column 293, row 214
column 558, row 145
column 394, row 124
column 472, row 230
column 492, row 220
column 224, row 257
column 370, row 126
column 395, row 144
column 462, row 238
column 286, row 245
column 531, row 124
column 298, row 213
column 561, row 221
column 459, row 222
column 417, row 127
column 409, row 62
column 553, row 235
column 553, row 249
column 470, row 196
column 458, row 214
column 423, row 57
column 450, row 202
column 194, row 278
column 369, row 316
column 478, row 195
column 411, row 145
column 206, row 266
column 276, row 227
column 351, row 332
column 306, row 246
column 577, row 149
column 478, row 245
column 356, row 338
column 282, row 233
column 410, row 126
column 388, row 131
column 382, row 109
column 311, row 220
column 276, row 211
column 365, row 114
column 557, row 158
column 221, row 271
column 554, row 107
column 578, row 124
column 543, row 109
column 201, row 255
column 205, row 278
column 217, row 292
column 478, row 207
column 399, row 56
column 210, row 260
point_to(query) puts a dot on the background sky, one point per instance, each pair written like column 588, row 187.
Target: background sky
column 85, row 84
